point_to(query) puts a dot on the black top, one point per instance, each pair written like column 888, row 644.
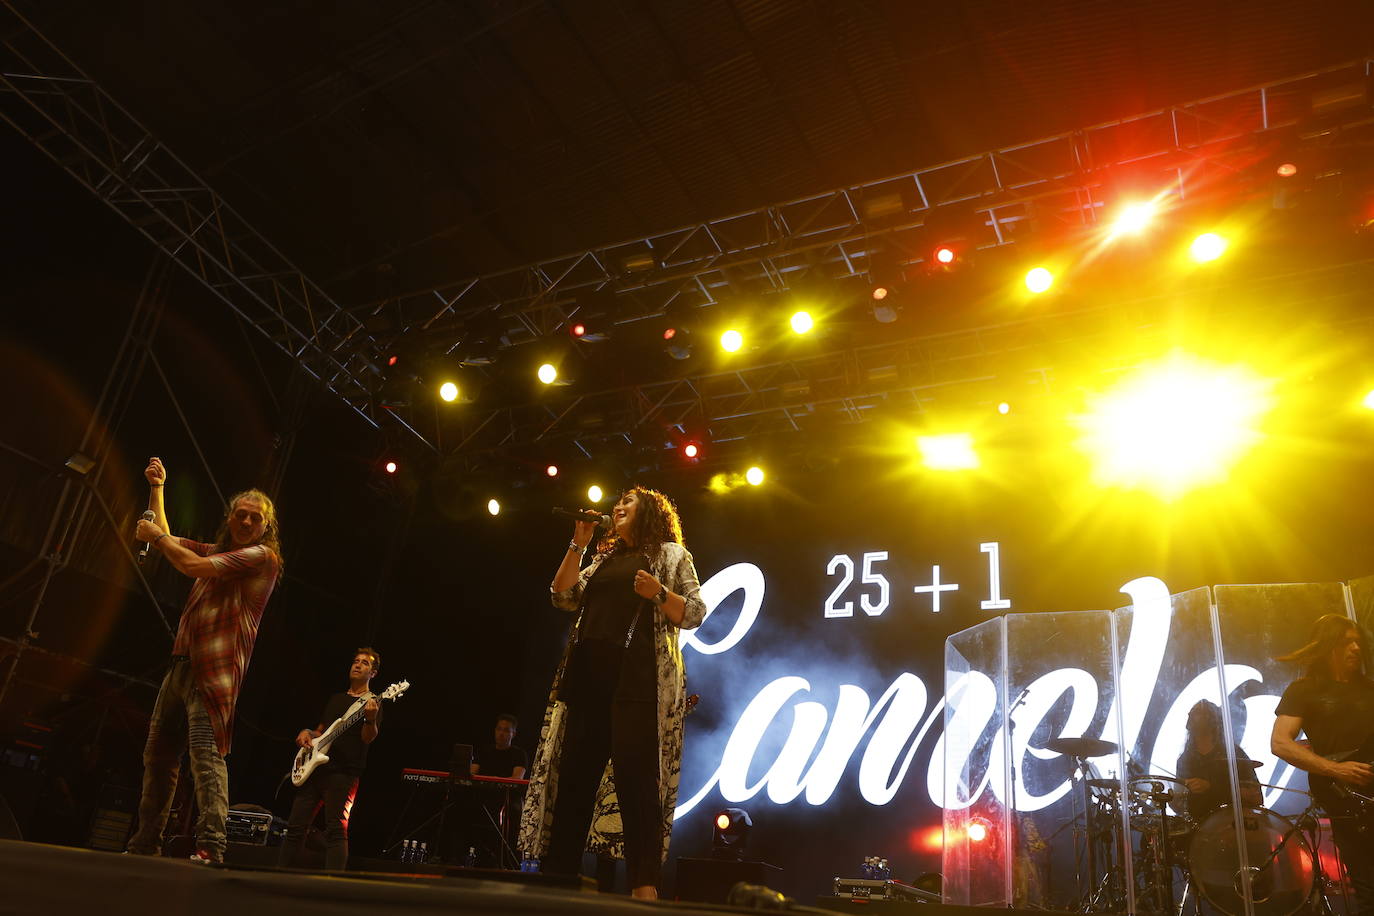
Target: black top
column 611, row 600
column 603, row 667
column 496, row 761
column 1212, row 767
column 348, row 753
column 1338, row 716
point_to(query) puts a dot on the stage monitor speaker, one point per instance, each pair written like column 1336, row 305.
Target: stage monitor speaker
column 710, row 880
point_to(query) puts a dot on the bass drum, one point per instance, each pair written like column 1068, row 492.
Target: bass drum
column 1281, row 882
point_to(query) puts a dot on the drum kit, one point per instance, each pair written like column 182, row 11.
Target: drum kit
column 1179, row 861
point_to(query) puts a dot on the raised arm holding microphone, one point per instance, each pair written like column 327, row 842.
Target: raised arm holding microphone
column 619, row 696
column 195, row 705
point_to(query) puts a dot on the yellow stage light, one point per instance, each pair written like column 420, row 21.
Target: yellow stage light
column 754, row 476
column 948, row 452
column 1207, row 247
column 1004, row 408
column 493, row 507
column 731, row 341
column 594, row 493
column 1175, row 426
column 1369, row 400
column 448, row 391
column 548, row 373
column 1039, row 279
column 802, row 322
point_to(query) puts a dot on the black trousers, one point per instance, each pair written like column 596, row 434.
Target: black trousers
column 625, row 732
column 334, row 790
column 1356, row 847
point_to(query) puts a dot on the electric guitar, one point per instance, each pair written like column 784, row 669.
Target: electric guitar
column 317, row 755
column 1339, row 799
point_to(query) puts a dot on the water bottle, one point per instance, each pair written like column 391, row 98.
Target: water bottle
column 424, row 853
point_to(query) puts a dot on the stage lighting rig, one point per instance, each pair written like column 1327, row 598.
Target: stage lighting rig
column 730, row 833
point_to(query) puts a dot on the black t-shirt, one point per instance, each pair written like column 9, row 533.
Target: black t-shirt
column 496, row 761
column 1213, row 768
column 1338, row 716
column 611, row 600
column 347, row 753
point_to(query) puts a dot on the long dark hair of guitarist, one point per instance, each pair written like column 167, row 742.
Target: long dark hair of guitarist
column 1333, row 702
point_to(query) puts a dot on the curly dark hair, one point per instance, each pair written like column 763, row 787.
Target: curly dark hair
column 1328, row 632
column 656, row 523
column 271, row 532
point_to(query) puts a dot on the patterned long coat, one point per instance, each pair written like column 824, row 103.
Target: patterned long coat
column 673, row 567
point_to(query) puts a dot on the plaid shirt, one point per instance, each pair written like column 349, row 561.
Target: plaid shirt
column 220, row 624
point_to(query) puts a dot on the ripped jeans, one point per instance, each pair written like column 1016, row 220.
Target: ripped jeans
column 180, row 723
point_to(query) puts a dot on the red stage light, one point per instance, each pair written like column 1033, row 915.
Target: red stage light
column 669, row 333
column 1286, row 170
column 391, row 360
column 945, row 254
column 391, row 467
column 578, row 330
column 691, row 450
column 880, row 293
column 551, row 470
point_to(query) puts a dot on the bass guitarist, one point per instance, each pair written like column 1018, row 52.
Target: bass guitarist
column 1333, row 702
column 335, row 784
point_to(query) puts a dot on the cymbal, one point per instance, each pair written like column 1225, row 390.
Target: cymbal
column 1080, row 747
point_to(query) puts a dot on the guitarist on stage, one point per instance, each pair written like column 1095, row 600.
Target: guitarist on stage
column 335, row 785
column 1334, row 704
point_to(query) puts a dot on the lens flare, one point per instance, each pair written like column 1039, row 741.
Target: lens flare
column 947, row 452
column 1134, row 218
column 1175, row 426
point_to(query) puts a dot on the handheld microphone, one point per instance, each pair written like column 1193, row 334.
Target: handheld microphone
column 147, row 516
column 583, row 515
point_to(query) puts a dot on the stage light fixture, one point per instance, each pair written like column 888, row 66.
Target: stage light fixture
column 595, row 494
column 731, row 341
column 730, row 833
column 1286, row 170
column 390, row 467
column 551, row 470
column 691, row 451
column 802, row 322
column 79, row 463
column 577, row 330
column 979, row 830
column 754, row 476
column 946, row 255
column 392, row 359
column 448, row 391
column 947, row 452
column 677, row 342
column 1039, row 280
column 1004, row 408
column 1133, row 218
column 1175, row 425
column 548, row 373
column 1369, row 399
column 493, row 507
column 1207, row 247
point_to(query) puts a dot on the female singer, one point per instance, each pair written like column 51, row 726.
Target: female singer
column 619, row 697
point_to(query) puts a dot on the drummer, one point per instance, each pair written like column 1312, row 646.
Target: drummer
column 1202, row 765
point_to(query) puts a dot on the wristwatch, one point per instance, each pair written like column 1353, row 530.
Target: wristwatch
column 662, row 595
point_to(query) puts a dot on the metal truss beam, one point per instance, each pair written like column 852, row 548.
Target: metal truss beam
column 67, row 115
column 1188, row 148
